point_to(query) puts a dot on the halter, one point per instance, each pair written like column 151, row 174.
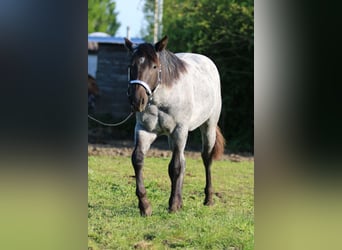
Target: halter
column 142, row 83
column 149, row 92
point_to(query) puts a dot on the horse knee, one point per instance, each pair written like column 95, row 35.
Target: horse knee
column 176, row 167
column 137, row 158
column 174, row 170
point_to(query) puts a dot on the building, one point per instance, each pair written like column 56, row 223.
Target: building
column 108, row 61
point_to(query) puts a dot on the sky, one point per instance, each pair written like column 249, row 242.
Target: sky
column 130, row 13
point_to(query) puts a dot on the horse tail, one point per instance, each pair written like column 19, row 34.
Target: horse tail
column 220, row 142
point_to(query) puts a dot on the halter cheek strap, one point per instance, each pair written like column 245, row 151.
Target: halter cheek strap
column 144, row 84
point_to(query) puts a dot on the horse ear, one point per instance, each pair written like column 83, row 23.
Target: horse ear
column 159, row 46
column 129, row 44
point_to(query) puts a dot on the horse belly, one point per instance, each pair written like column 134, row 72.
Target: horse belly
column 200, row 114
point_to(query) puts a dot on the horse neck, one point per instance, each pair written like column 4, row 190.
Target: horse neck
column 172, row 67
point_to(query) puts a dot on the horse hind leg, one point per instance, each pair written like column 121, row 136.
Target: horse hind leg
column 212, row 148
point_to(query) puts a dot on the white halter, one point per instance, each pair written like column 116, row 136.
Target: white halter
column 142, row 83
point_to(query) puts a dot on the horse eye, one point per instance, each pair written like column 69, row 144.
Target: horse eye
column 154, row 66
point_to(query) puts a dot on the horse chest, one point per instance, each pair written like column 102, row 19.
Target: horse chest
column 157, row 120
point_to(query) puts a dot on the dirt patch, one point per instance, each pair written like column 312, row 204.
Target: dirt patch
column 158, row 149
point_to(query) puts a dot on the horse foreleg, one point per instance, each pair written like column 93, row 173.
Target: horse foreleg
column 143, row 142
column 177, row 169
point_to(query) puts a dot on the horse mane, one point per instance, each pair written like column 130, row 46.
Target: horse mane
column 172, row 67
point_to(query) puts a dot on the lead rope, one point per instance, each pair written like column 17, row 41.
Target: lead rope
column 111, row 124
column 134, row 82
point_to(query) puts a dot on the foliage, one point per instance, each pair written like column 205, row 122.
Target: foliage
column 114, row 221
column 102, row 17
column 222, row 30
column 149, row 17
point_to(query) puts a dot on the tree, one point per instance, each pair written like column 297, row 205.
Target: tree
column 102, row 17
column 148, row 10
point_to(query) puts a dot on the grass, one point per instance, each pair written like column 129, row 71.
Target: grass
column 114, row 221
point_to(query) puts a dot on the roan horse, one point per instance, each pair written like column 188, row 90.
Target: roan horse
column 173, row 94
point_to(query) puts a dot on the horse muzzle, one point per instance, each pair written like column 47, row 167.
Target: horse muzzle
column 139, row 105
column 138, row 97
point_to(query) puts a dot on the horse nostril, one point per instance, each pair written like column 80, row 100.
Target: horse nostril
column 141, row 106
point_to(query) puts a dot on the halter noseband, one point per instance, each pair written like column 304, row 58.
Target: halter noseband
column 149, row 92
column 142, row 83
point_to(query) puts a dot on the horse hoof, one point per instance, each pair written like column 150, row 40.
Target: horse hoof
column 145, row 208
column 146, row 212
column 175, row 208
column 172, row 210
column 208, row 203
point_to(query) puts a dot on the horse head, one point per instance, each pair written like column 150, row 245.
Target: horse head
column 144, row 72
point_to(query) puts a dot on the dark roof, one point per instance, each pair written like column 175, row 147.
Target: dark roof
column 93, row 41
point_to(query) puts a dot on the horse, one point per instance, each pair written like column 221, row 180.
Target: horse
column 172, row 94
column 93, row 93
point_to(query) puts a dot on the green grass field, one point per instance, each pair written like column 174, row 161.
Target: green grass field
column 114, row 221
